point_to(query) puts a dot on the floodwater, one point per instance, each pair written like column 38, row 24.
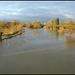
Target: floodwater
column 38, row 51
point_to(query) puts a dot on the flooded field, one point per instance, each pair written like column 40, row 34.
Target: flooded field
column 38, row 51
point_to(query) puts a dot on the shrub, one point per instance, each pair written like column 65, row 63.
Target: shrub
column 68, row 22
column 28, row 25
column 54, row 25
column 61, row 23
column 36, row 25
column 15, row 22
column 23, row 24
column 4, row 24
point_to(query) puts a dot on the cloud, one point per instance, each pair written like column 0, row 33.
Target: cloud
column 43, row 10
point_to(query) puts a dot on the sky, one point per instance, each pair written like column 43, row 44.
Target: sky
column 28, row 11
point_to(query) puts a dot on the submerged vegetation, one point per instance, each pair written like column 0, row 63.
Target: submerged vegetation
column 61, row 26
column 14, row 28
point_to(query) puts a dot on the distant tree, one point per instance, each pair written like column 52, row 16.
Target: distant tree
column 38, row 21
column 4, row 24
column 61, row 23
column 23, row 24
column 68, row 22
column 15, row 22
column 36, row 24
column 29, row 25
column 57, row 21
column 54, row 25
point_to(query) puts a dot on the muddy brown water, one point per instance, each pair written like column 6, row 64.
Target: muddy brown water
column 38, row 51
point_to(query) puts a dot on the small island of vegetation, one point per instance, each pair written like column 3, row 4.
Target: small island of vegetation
column 14, row 28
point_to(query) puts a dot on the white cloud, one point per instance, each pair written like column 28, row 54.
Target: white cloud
column 69, row 16
column 13, row 5
column 48, row 9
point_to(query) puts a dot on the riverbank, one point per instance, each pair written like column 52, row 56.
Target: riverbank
column 13, row 35
column 14, row 28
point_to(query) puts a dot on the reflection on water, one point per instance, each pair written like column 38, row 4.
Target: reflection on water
column 70, row 41
column 36, row 32
column 62, row 34
column 38, row 51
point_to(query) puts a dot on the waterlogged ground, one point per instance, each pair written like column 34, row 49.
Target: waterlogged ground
column 38, row 51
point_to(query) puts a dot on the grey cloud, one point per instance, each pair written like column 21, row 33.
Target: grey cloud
column 34, row 10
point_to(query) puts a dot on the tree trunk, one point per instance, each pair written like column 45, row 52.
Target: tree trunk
column 1, row 35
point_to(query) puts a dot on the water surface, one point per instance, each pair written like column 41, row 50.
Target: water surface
column 38, row 51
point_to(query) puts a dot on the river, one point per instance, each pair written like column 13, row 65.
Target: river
column 38, row 51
